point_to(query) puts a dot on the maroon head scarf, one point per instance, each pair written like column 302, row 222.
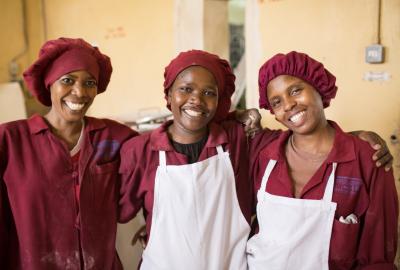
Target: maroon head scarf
column 298, row 65
column 61, row 56
column 220, row 68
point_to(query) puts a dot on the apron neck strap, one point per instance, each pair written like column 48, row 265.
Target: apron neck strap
column 268, row 170
column 162, row 160
column 329, row 186
column 220, row 150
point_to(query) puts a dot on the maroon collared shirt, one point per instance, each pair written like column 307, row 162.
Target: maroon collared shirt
column 360, row 188
column 37, row 196
column 140, row 159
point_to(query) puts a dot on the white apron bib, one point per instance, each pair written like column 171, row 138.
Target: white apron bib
column 197, row 223
column 294, row 233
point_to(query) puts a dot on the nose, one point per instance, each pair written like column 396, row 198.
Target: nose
column 195, row 97
column 289, row 103
column 79, row 90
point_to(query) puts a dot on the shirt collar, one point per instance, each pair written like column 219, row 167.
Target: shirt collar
column 343, row 146
column 37, row 124
column 159, row 139
column 343, row 149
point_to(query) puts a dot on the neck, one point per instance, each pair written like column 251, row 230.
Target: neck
column 184, row 136
column 319, row 142
column 68, row 132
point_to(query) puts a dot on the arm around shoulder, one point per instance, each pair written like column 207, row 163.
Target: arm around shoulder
column 378, row 242
column 130, row 177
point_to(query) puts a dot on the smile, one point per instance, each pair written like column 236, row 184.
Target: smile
column 74, row 106
column 295, row 118
column 193, row 113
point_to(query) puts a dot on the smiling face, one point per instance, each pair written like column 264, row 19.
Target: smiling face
column 296, row 104
column 71, row 96
column 194, row 99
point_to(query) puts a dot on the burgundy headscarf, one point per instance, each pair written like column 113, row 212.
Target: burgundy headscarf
column 61, row 56
column 220, row 68
column 298, row 65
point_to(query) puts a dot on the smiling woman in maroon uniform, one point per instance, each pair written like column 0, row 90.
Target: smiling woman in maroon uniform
column 196, row 197
column 322, row 203
column 58, row 189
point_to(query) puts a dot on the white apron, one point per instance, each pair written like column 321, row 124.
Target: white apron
column 294, row 233
column 197, row 223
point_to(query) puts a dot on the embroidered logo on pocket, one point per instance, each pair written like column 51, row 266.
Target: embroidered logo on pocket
column 106, row 151
column 347, row 185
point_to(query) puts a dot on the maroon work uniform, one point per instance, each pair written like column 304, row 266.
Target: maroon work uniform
column 140, row 159
column 38, row 209
column 360, row 188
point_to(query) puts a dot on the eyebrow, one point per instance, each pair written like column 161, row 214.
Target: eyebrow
column 212, row 86
column 296, row 84
column 74, row 76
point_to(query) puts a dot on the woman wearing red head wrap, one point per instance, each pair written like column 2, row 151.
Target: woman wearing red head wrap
column 322, row 203
column 190, row 176
column 58, row 189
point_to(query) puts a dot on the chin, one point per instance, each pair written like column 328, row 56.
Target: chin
column 74, row 118
column 304, row 130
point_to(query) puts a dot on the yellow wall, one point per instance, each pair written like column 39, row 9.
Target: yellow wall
column 216, row 30
column 11, row 44
column 137, row 35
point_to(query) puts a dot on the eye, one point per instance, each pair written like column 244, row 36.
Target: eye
column 275, row 103
column 67, row 80
column 295, row 91
column 91, row 83
column 185, row 89
column 210, row 92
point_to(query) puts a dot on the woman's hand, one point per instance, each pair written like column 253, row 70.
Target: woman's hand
column 382, row 156
column 140, row 236
column 251, row 119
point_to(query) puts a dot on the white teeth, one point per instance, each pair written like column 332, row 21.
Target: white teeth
column 75, row 106
column 296, row 117
column 193, row 113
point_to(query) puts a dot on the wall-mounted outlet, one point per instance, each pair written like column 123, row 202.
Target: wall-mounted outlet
column 374, row 54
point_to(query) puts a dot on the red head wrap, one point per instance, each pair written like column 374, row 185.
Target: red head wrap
column 298, row 65
column 61, row 56
column 220, row 68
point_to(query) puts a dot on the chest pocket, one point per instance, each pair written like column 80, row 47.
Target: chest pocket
column 106, row 157
column 106, row 167
column 343, row 246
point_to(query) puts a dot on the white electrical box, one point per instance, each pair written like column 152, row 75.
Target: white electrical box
column 374, row 54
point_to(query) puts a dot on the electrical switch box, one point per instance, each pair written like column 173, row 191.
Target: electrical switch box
column 374, row 54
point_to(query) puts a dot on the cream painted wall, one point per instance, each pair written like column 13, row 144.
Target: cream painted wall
column 137, row 35
column 11, row 45
column 216, row 28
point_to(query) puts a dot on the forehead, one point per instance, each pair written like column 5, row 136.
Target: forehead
column 79, row 74
column 196, row 74
column 283, row 81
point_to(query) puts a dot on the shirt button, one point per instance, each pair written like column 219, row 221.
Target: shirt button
column 74, row 174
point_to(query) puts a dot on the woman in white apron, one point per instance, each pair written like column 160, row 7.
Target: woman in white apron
column 190, row 176
column 319, row 203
